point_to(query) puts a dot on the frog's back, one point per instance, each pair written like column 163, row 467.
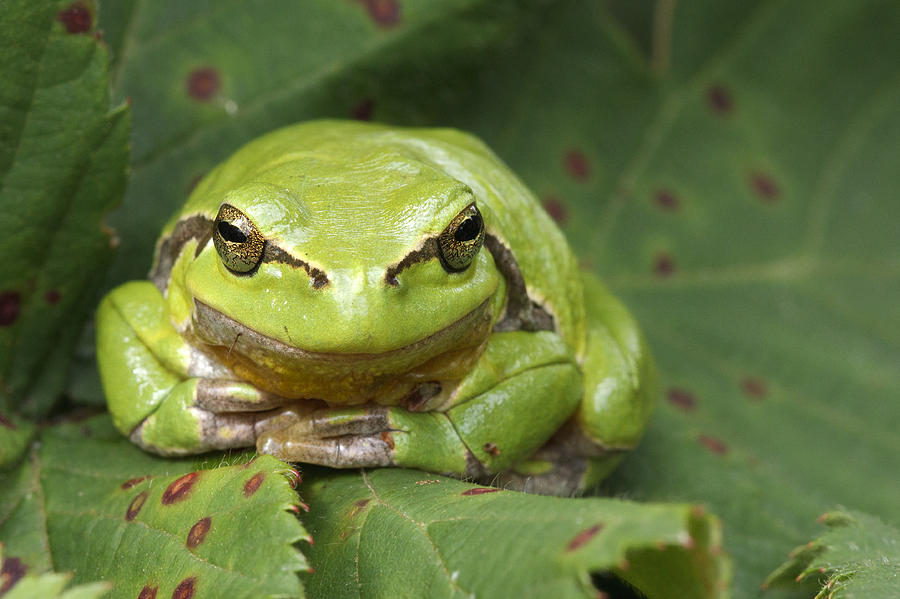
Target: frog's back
column 512, row 214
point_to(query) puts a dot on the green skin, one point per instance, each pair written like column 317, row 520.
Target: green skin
column 353, row 343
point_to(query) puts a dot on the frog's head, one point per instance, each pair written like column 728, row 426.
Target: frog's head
column 341, row 271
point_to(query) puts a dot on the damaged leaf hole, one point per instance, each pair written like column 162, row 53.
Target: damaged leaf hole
column 611, row 586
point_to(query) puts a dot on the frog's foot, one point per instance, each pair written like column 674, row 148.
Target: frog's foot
column 349, row 438
column 200, row 414
column 568, row 464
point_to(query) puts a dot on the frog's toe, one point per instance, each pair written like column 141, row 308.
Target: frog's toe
column 345, row 451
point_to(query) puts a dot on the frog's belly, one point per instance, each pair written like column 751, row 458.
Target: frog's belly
column 387, row 378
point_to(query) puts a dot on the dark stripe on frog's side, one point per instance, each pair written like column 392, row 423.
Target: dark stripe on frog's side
column 200, row 228
column 521, row 314
column 194, row 227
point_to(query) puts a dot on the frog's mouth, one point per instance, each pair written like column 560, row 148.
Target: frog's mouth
column 388, row 377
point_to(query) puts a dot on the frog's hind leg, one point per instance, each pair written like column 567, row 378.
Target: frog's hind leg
column 619, row 393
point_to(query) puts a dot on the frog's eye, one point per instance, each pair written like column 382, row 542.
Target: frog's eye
column 238, row 241
column 462, row 239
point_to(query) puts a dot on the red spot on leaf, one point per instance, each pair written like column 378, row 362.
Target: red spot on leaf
column 131, row 482
column 148, row 592
column 663, row 265
column 480, row 491
column 12, row 571
column 76, row 18
column 4, row 421
column 492, row 449
column 713, row 444
column 185, row 588
column 203, row 83
column 764, row 186
column 179, row 489
column 10, row 306
column 682, row 399
column 583, row 537
column 385, row 13
column 753, row 387
column 253, row 483
column 577, row 165
column 556, row 209
column 198, row 532
column 666, row 200
column 363, row 110
column 720, row 100
column 135, row 506
column 388, row 439
column 52, row 296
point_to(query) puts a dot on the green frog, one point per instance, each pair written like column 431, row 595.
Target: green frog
column 356, row 295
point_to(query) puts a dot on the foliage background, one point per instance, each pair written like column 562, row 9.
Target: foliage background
column 728, row 167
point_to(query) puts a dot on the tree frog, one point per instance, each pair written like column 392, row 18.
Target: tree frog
column 357, row 295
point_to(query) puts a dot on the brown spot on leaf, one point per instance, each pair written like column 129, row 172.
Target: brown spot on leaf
column 52, row 296
column 131, row 482
column 555, row 208
column 362, row 503
column 666, row 200
column 388, row 439
column 135, row 506
column 764, row 186
column 753, row 387
column 4, row 421
column 713, row 444
column 682, row 399
column 577, row 165
column 363, row 110
column 492, row 449
column 720, row 100
column 663, row 265
column 198, row 532
column 148, row 592
column 203, row 83
column 583, row 537
column 179, row 489
column 76, row 19
column 12, row 571
column 185, row 588
column 386, row 13
column 253, row 483
column 480, row 491
column 10, row 306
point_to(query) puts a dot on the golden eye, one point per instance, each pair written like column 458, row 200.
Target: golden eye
column 461, row 240
column 237, row 240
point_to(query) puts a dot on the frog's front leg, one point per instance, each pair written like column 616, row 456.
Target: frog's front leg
column 169, row 397
column 523, row 388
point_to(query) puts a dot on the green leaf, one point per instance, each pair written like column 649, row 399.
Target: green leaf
column 63, row 159
column 736, row 186
column 16, row 582
column 858, row 558
column 15, row 433
column 455, row 539
column 89, row 501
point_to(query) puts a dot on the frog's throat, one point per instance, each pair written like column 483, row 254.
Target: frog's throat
column 389, row 377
